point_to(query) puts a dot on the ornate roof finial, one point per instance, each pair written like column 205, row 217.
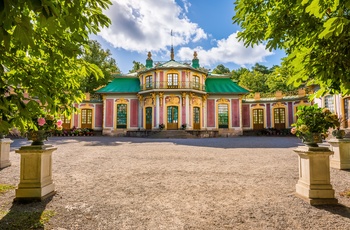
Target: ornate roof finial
column 149, row 56
column 195, row 55
column 172, row 54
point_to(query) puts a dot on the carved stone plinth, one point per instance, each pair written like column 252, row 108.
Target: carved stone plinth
column 341, row 157
column 5, row 152
column 35, row 173
column 314, row 175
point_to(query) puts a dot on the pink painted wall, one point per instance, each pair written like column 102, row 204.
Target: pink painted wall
column 211, row 112
column 290, row 113
column 98, row 115
column 134, row 112
column 109, row 112
column 268, row 115
column 246, row 115
column 161, row 114
column 161, row 79
column 235, row 112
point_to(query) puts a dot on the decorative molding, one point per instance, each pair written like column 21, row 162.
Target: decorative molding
column 183, row 95
column 122, row 101
column 148, row 101
column 205, row 97
column 172, row 99
column 196, row 101
column 161, row 95
column 223, row 100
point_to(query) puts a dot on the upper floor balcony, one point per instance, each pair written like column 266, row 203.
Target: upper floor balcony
column 163, row 85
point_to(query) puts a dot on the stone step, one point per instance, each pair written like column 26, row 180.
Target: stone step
column 177, row 134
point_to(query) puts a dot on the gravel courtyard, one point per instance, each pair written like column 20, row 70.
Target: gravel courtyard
column 142, row 183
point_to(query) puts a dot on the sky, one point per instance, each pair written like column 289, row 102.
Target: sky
column 140, row 26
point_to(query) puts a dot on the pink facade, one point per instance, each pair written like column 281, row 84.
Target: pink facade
column 98, row 115
column 109, row 112
column 211, row 112
column 134, row 112
column 246, row 115
column 235, row 112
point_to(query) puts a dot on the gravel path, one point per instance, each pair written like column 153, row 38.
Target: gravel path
column 139, row 183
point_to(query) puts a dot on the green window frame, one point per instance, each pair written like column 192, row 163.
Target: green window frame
column 122, row 114
column 223, row 115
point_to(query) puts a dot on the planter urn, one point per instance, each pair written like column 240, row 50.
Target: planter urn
column 314, row 175
column 341, row 149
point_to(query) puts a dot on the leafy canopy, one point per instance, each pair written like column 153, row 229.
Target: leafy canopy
column 40, row 45
column 101, row 58
column 314, row 33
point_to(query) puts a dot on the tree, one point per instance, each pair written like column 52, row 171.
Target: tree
column 277, row 80
column 137, row 66
column 102, row 59
column 236, row 74
column 315, row 35
column 255, row 81
column 40, row 42
column 221, row 69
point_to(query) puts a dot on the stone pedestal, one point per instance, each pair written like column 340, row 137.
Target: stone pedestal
column 5, row 152
column 314, row 175
column 341, row 157
column 35, row 173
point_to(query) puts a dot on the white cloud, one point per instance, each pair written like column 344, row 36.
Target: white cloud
column 228, row 50
column 145, row 25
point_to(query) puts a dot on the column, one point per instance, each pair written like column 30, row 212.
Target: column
column 314, row 175
column 35, row 173
column 341, row 157
column 5, row 152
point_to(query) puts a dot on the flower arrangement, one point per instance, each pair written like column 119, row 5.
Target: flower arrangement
column 47, row 122
column 161, row 126
column 312, row 119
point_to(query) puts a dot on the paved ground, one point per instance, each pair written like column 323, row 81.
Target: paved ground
column 139, row 183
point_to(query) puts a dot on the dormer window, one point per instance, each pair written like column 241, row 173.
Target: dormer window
column 149, row 82
column 173, row 80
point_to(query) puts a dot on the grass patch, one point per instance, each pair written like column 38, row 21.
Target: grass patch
column 6, row 187
column 25, row 219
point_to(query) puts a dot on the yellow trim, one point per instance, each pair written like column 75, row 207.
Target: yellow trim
column 179, row 113
column 258, row 106
column 172, row 71
column 92, row 115
column 226, row 102
column 277, row 106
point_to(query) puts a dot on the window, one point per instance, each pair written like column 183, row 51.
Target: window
column 223, row 115
column 329, row 103
column 195, row 82
column 149, row 82
column 280, row 118
column 121, row 116
column 65, row 122
column 86, row 118
column 173, row 81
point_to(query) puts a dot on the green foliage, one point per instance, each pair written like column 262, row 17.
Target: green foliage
column 312, row 119
column 221, row 69
column 25, row 219
column 40, row 42
column 6, row 187
column 254, row 81
column 137, row 66
column 315, row 35
column 101, row 59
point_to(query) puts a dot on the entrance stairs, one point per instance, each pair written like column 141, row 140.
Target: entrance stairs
column 176, row 134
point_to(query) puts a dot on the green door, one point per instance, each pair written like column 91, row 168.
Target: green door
column 148, row 117
column 172, row 117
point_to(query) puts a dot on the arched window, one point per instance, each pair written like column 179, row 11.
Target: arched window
column 173, row 80
column 195, row 82
column 148, row 81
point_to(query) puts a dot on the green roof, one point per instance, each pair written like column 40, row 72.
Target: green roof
column 122, row 85
column 223, row 85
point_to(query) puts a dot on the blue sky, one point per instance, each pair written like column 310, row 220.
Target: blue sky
column 139, row 26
